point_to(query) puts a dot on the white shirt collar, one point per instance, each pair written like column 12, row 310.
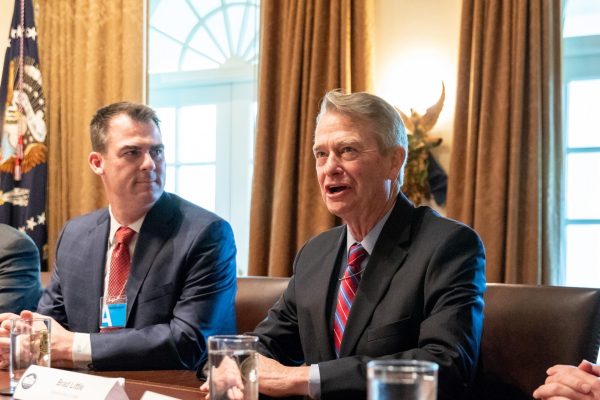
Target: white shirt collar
column 115, row 225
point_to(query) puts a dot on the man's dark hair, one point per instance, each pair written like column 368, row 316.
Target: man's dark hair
column 101, row 120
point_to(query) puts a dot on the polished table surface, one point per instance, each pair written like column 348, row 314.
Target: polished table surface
column 178, row 377
column 180, row 384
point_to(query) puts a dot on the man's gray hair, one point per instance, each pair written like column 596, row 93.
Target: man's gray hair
column 104, row 115
column 380, row 115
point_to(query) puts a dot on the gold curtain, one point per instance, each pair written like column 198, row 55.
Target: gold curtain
column 308, row 47
column 506, row 162
column 92, row 53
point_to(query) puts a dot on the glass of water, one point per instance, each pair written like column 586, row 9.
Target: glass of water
column 402, row 379
column 233, row 367
column 29, row 345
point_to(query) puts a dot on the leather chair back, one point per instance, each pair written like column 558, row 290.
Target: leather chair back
column 527, row 329
column 255, row 296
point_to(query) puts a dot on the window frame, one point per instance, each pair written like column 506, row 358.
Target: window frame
column 581, row 61
column 233, row 88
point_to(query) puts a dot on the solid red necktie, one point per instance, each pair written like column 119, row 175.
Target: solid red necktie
column 347, row 292
column 120, row 262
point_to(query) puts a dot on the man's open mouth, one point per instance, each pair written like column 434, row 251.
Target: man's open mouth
column 336, row 188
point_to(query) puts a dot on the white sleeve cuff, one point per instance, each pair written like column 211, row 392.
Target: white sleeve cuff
column 82, row 350
column 314, row 382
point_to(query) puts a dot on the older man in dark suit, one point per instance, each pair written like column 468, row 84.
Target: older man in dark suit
column 20, row 286
column 140, row 284
column 395, row 282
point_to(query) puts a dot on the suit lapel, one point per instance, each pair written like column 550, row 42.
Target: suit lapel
column 326, row 273
column 97, row 257
column 156, row 230
column 388, row 255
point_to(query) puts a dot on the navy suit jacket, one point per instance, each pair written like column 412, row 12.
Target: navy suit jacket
column 420, row 297
column 181, row 286
column 20, row 285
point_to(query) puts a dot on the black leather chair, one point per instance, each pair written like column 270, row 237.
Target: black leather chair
column 527, row 329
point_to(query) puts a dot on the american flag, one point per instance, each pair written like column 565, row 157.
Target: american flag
column 23, row 150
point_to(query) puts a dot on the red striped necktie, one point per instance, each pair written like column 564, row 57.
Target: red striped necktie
column 347, row 292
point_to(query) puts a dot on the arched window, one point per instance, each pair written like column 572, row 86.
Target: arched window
column 203, row 58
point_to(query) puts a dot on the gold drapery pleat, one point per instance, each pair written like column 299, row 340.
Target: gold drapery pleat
column 91, row 54
column 308, row 47
column 506, row 163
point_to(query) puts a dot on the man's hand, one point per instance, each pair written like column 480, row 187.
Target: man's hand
column 226, row 379
column 569, row 382
column 61, row 341
column 278, row 380
column 5, row 339
column 589, row 368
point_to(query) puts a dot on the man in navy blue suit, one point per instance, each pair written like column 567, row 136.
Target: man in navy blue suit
column 181, row 283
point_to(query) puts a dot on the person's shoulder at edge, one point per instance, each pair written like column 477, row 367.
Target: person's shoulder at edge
column 10, row 234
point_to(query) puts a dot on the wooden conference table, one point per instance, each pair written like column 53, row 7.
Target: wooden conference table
column 180, row 384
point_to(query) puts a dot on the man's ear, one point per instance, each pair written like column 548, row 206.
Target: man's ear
column 398, row 155
column 96, row 162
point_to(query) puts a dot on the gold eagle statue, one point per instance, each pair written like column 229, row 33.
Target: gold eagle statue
column 416, row 185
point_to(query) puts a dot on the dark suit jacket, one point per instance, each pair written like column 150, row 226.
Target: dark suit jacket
column 421, row 297
column 20, row 286
column 180, row 290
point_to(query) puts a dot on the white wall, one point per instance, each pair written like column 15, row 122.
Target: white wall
column 416, row 47
column 6, row 12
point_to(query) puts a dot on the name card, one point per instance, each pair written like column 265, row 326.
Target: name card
column 51, row 383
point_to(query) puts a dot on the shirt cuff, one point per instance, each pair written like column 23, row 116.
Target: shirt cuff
column 82, row 350
column 314, row 382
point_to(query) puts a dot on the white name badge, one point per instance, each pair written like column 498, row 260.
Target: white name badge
column 51, row 383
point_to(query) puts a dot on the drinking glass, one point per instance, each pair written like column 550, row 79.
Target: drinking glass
column 29, row 345
column 233, row 367
column 402, row 379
